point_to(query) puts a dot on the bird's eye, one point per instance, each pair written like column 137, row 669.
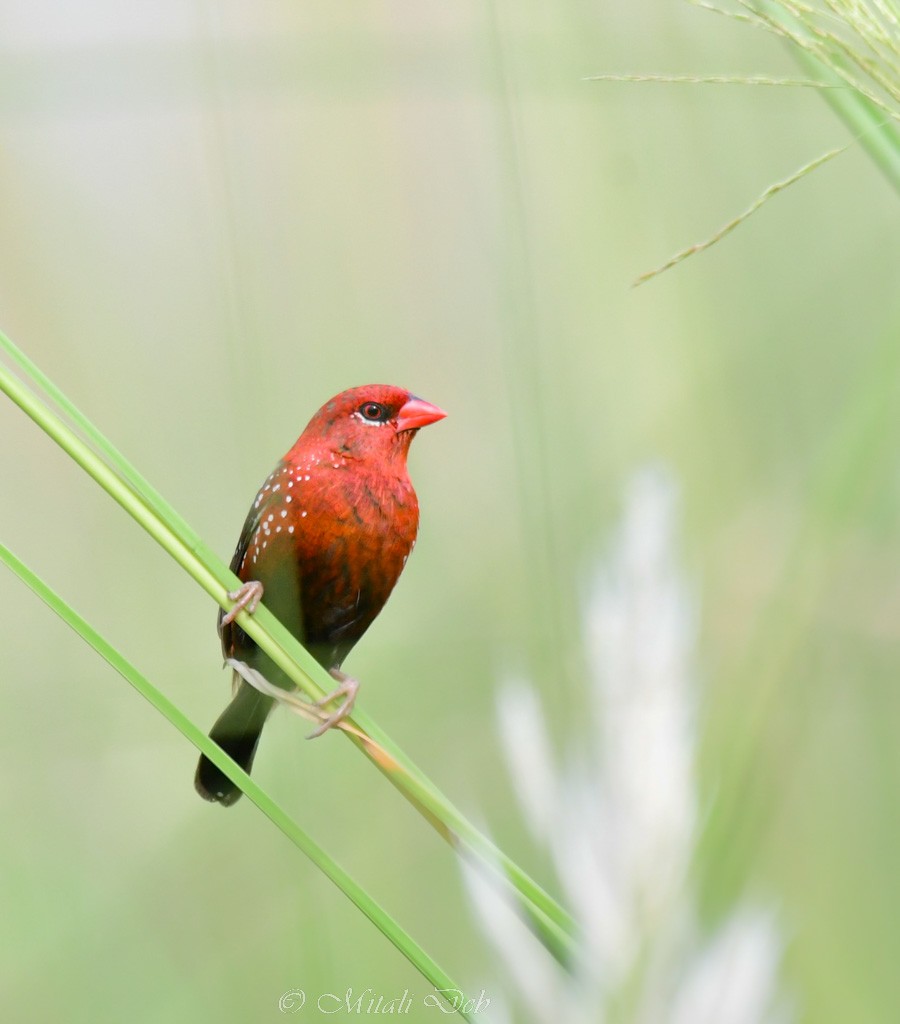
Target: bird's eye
column 375, row 412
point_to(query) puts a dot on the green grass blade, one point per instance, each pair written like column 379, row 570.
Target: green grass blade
column 552, row 924
column 873, row 128
column 153, row 498
column 878, row 137
column 426, row 966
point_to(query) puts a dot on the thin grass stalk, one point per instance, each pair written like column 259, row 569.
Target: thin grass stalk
column 855, row 63
column 872, row 121
column 853, row 454
column 547, row 917
column 784, row 20
column 525, row 360
column 382, row 920
column 875, row 130
column 726, row 229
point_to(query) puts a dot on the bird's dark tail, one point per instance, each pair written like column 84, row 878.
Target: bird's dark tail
column 237, row 732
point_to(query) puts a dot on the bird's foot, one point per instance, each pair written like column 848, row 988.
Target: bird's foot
column 347, row 688
column 247, row 596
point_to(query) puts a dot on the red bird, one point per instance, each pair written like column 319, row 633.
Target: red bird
column 325, row 540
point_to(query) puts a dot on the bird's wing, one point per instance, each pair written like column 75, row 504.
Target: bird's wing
column 227, row 632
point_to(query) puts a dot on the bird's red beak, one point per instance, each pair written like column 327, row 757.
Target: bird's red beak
column 416, row 413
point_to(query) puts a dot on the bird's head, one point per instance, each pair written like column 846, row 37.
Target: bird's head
column 375, row 420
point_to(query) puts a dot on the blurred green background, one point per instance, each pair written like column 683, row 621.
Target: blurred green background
column 216, row 215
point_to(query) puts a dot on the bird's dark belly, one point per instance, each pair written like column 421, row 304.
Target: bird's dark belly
column 327, row 597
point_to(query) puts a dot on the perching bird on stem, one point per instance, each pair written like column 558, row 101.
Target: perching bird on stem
column 323, row 545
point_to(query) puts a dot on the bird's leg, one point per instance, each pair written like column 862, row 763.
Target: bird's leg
column 288, row 698
column 247, row 596
column 347, row 688
column 308, row 709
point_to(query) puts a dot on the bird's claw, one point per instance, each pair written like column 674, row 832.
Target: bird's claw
column 247, row 596
column 347, row 688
